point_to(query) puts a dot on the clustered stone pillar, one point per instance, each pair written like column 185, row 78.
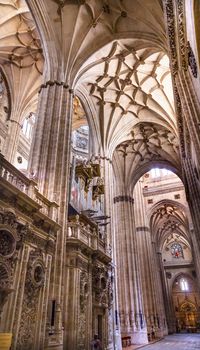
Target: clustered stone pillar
column 152, row 294
column 50, row 168
column 170, row 316
column 193, row 198
column 115, row 334
column 132, row 319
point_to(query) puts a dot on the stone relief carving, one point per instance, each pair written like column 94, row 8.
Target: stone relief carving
column 102, row 285
column 192, row 61
column 181, row 32
column 172, row 31
column 35, row 276
column 84, row 289
column 82, row 320
column 7, row 243
column 9, row 237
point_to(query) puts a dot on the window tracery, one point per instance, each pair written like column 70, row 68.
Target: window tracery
column 177, row 250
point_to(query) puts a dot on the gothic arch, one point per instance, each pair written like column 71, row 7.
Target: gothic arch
column 39, row 12
column 168, row 220
column 179, row 275
column 90, row 113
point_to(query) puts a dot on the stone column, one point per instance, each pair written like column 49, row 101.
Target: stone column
column 190, row 106
column 78, row 304
column 114, row 338
column 152, row 295
column 129, row 284
column 193, row 194
column 168, row 304
column 50, row 168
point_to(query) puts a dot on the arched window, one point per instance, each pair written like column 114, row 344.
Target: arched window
column 184, row 285
column 4, row 98
column 80, row 139
column 156, row 172
column 177, row 250
column 28, row 126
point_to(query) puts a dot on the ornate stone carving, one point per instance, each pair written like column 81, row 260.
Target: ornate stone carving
column 5, row 273
column 171, row 33
column 102, row 285
column 35, row 276
column 84, row 289
column 9, row 237
column 192, row 61
column 7, row 243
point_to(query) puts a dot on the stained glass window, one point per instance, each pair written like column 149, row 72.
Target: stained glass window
column 177, row 250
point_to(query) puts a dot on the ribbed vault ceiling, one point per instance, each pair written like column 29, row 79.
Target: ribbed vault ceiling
column 115, row 50
column 80, row 28
column 168, row 218
column 148, row 143
column 129, row 84
column 20, row 56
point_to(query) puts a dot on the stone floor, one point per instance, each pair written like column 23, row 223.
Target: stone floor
column 174, row 342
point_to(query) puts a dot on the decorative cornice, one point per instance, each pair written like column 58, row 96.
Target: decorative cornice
column 160, row 190
column 124, row 199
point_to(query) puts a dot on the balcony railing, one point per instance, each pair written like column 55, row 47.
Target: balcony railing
column 16, row 178
column 88, row 235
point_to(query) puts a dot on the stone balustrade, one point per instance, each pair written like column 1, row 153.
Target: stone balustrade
column 88, row 235
column 81, row 231
column 16, row 178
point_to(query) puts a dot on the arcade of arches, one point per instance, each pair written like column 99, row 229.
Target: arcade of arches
column 99, row 172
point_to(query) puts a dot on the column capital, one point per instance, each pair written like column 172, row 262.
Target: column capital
column 124, row 198
column 54, row 82
column 142, row 228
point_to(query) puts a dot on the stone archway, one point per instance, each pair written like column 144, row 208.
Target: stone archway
column 186, row 301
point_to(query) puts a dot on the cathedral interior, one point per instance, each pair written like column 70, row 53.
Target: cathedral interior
column 99, row 172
